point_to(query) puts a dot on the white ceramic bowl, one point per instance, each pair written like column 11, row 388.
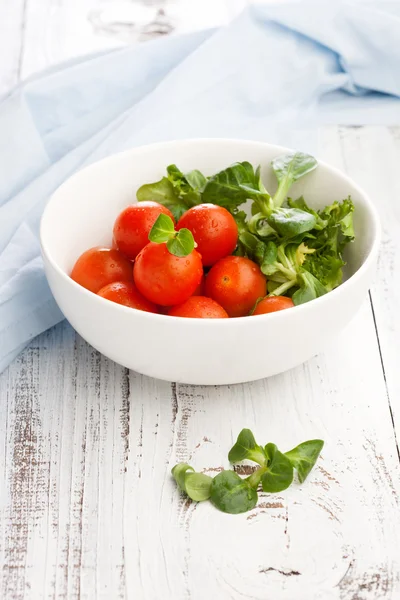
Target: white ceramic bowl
column 81, row 214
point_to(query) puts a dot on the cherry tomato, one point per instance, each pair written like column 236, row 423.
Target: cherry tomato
column 272, row 304
column 164, row 278
column 133, row 225
column 236, row 283
column 199, row 291
column 124, row 292
column 214, row 230
column 99, row 266
column 199, row 307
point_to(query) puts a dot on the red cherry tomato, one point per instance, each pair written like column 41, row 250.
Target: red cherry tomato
column 272, row 304
column 199, row 291
column 199, row 307
column 214, row 230
column 133, row 225
column 99, row 266
column 236, row 283
column 164, row 278
column 123, row 292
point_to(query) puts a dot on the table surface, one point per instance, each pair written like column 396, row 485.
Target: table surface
column 88, row 509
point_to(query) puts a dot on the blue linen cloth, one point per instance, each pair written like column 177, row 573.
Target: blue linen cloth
column 274, row 74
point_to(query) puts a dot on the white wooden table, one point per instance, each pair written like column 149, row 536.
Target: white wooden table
column 88, row 508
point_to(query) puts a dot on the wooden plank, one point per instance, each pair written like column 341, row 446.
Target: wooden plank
column 56, row 31
column 12, row 32
column 90, row 509
column 372, row 156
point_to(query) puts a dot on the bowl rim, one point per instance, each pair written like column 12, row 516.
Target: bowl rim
column 345, row 285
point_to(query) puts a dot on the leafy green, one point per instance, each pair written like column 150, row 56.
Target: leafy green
column 180, row 243
column 310, row 288
column 246, row 447
column 326, row 267
column 198, row 486
column 288, row 169
column 188, row 187
column 231, row 494
column 179, row 472
column 279, row 472
column 196, row 180
column 233, row 186
column 178, row 192
column 289, row 222
column 162, row 229
column 195, row 485
column 164, row 193
column 299, row 249
column 304, row 456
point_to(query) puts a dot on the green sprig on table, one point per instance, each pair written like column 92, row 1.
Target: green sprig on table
column 233, row 494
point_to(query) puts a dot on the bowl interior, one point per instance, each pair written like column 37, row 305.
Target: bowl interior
column 82, row 211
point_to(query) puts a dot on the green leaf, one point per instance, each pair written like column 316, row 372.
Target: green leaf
column 300, row 203
column 179, row 472
column 310, row 288
column 288, row 169
column 326, row 267
column 246, row 447
column 164, row 193
column 254, row 247
column 182, row 244
column 233, row 186
column 195, row 485
column 196, row 180
column 289, row 222
column 231, row 494
column 259, row 225
column 304, row 457
column 279, row 473
column 187, row 187
column 162, row 230
column 269, row 263
column 198, row 486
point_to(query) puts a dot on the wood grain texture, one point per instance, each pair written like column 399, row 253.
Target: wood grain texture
column 36, row 35
column 90, row 510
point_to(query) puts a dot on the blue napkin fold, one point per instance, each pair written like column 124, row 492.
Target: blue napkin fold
column 275, row 73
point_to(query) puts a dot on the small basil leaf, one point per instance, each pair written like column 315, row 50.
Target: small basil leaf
column 162, row 230
column 198, row 486
column 304, row 457
column 289, row 222
column 246, row 447
column 310, row 288
column 231, row 494
column 179, row 471
column 164, row 193
column 279, row 474
column 182, row 244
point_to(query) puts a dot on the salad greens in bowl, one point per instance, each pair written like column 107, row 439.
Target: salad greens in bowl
column 309, row 233
column 298, row 249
